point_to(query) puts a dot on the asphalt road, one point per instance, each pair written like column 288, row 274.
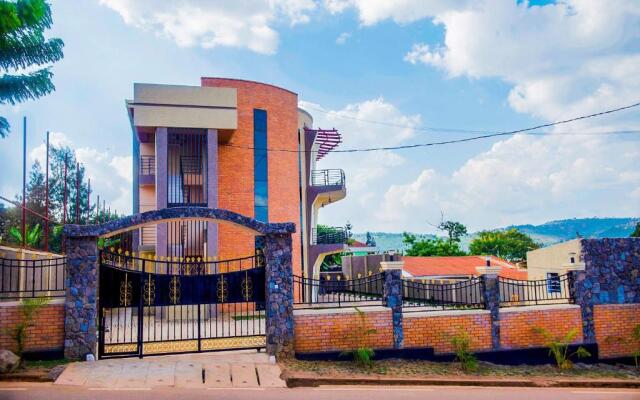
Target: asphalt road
column 37, row 391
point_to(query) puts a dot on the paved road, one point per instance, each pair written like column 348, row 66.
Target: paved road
column 39, row 391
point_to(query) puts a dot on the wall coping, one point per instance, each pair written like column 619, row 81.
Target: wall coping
column 16, row 303
column 544, row 307
column 343, row 310
column 443, row 313
column 391, row 265
column 618, row 305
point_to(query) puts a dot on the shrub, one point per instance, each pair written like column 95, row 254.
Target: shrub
column 361, row 354
column 461, row 346
column 559, row 347
column 635, row 334
column 28, row 308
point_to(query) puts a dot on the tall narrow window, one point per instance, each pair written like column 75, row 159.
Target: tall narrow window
column 260, row 166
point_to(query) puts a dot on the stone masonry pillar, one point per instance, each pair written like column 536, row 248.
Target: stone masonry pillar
column 81, row 284
column 392, row 271
column 491, row 296
column 279, row 295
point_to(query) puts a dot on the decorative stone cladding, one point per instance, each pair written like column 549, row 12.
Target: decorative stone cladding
column 235, row 164
column 47, row 332
column 517, row 324
column 611, row 276
column 279, row 296
column 318, row 330
column 613, row 326
column 437, row 328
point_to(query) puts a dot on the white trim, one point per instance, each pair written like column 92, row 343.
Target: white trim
column 539, row 308
column 344, row 310
column 391, row 265
column 443, row 313
column 16, row 303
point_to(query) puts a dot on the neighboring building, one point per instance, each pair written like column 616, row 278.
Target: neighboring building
column 206, row 146
column 456, row 268
column 357, row 248
column 555, row 260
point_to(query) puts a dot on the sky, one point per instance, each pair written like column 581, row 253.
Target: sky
column 384, row 73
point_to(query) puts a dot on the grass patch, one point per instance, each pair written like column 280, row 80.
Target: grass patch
column 43, row 364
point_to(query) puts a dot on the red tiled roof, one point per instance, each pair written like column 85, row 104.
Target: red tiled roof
column 463, row 265
column 358, row 244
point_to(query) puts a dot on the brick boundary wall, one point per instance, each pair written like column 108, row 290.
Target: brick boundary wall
column 517, row 324
column 613, row 326
column 323, row 330
column 48, row 332
column 436, row 329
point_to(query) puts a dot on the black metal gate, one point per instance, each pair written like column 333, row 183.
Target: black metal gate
column 178, row 305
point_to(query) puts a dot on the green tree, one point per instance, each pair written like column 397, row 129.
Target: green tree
column 23, row 47
column 455, row 230
column 371, row 241
column 511, row 244
column 636, row 232
column 430, row 247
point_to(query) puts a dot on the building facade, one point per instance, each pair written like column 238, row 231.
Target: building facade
column 237, row 145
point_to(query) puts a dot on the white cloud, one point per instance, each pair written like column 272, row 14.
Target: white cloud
column 211, row 23
column 343, row 37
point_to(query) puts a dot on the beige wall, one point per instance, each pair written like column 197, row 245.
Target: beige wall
column 147, row 198
column 147, row 149
column 551, row 259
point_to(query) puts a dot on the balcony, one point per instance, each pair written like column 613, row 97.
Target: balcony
column 328, row 235
column 147, row 170
column 327, row 177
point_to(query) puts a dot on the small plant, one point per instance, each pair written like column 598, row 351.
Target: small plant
column 105, row 243
column 28, row 308
column 361, row 354
column 461, row 346
column 559, row 347
column 32, row 235
column 635, row 334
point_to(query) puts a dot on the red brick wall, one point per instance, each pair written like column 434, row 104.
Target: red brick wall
column 47, row 334
column 235, row 165
column 613, row 325
column 433, row 329
column 516, row 325
column 333, row 332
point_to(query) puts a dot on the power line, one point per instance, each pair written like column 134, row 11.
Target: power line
column 528, row 131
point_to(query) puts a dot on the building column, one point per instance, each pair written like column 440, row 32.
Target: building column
column 212, row 189
column 491, row 296
column 162, row 142
column 279, row 295
column 392, row 271
column 80, row 328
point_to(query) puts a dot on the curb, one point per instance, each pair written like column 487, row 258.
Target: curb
column 25, row 377
column 315, row 382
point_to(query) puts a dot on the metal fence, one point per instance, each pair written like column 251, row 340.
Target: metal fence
column 553, row 290
column 327, row 177
column 328, row 235
column 428, row 296
column 366, row 291
column 21, row 279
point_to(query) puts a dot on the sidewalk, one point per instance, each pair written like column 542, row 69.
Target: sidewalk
column 232, row 369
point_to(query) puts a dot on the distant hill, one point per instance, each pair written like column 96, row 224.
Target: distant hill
column 547, row 233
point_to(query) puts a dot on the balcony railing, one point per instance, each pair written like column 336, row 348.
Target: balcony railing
column 328, row 235
column 327, row 177
column 147, row 165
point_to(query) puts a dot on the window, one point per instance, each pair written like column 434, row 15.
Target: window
column 553, row 282
column 260, row 166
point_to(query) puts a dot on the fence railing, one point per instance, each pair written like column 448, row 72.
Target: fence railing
column 554, row 290
column 328, row 235
column 467, row 294
column 327, row 177
column 21, row 279
column 147, row 165
column 366, row 291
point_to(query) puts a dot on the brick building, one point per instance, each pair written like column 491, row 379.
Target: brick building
column 207, row 146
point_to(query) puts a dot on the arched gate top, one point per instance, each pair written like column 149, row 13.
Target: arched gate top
column 130, row 222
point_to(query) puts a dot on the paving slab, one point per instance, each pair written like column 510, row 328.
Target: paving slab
column 269, row 376
column 244, row 376
column 188, row 374
column 161, row 374
column 104, row 375
column 75, row 374
column 132, row 375
column 217, row 375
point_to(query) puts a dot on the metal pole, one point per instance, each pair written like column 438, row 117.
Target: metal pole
column 89, row 202
column 77, row 192
column 98, row 210
column 46, row 200
column 24, row 180
column 64, row 201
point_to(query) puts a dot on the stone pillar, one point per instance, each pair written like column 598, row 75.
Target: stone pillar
column 392, row 271
column 81, row 282
column 162, row 146
column 212, row 189
column 491, row 296
column 279, row 295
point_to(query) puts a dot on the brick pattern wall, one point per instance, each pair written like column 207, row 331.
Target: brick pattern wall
column 47, row 334
column 613, row 326
column 516, row 325
column 334, row 332
column 235, row 165
column 436, row 330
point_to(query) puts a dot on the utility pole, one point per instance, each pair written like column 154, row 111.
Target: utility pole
column 77, row 192
column 46, row 200
column 64, row 197
column 24, row 181
column 89, row 202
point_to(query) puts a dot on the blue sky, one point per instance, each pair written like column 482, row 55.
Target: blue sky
column 484, row 65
